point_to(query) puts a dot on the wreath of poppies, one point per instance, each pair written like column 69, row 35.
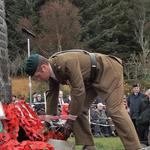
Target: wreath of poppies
column 20, row 118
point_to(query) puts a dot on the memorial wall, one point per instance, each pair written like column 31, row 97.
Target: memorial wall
column 5, row 90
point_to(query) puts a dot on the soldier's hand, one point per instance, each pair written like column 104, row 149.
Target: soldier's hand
column 47, row 93
column 68, row 128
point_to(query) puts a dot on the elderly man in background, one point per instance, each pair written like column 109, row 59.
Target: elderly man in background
column 89, row 75
column 134, row 100
column 99, row 121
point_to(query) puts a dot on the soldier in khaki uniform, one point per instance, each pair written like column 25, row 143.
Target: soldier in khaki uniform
column 88, row 76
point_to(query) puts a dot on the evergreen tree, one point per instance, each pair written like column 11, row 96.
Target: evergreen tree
column 26, row 13
column 107, row 27
column 15, row 10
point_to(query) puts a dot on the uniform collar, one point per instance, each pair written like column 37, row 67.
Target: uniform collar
column 52, row 73
column 56, row 72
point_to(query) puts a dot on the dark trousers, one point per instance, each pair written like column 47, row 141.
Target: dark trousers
column 135, row 125
column 143, row 133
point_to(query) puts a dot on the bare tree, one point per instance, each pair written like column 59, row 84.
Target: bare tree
column 60, row 26
column 17, row 65
column 143, row 38
column 132, row 67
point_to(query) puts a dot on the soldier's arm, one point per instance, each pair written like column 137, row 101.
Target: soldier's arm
column 77, row 86
column 52, row 97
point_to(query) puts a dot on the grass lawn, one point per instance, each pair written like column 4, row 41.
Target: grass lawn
column 105, row 143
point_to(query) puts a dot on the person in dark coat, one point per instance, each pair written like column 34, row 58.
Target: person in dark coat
column 134, row 100
column 89, row 75
column 39, row 105
column 99, row 121
column 68, row 99
column 143, row 122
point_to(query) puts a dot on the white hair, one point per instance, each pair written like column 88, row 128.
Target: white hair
column 100, row 106
column 147, row 92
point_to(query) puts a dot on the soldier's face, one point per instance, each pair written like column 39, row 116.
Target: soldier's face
column 42, row 74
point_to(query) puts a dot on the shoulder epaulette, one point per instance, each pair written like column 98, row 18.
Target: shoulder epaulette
column 66, row 51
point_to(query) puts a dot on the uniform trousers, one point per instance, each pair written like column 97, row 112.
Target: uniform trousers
column 117, row 112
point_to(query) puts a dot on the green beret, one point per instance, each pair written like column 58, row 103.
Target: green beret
column 31, row 64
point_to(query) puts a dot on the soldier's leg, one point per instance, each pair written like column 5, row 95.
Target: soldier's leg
column 122, row 121
column 82, row 128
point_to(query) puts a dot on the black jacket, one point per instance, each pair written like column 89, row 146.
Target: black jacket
column 134, row 104
column 144, row 116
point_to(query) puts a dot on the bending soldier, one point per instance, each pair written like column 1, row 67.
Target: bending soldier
column 89, row 75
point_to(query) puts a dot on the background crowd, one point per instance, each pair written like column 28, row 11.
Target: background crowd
column 137, row 104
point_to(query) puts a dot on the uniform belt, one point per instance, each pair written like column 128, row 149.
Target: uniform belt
column 93, row 61
column 93, row 67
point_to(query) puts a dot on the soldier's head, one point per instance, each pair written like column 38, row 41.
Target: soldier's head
column 38, row 67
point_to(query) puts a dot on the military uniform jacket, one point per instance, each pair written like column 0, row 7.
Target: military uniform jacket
column 74, row 69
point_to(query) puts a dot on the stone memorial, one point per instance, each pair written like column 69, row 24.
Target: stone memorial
column 5, row 90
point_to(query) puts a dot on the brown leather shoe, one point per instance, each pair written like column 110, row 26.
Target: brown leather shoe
column 87, row 147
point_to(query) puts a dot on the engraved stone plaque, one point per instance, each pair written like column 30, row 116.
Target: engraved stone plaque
column 5, row 90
